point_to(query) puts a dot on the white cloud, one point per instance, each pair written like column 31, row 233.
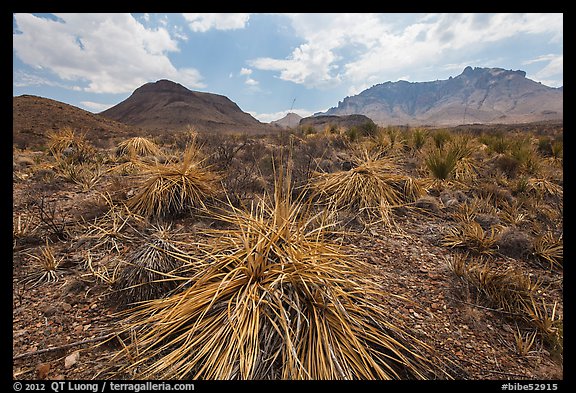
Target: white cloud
column 245, row 71
column 251, row 82
column 553, row 68
column 111, row 53
column 205, row 22
column 95, row 107
column 357, row 48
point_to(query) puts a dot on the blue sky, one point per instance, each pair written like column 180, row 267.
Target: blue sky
column 268, row 63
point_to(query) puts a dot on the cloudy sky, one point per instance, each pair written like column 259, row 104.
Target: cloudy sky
column 270, row 63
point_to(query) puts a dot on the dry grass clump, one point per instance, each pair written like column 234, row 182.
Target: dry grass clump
column 171, row 188
column 110, row 232
column 549, row 249
column 86, row 174
column 452, row 160
column 370, row 189
column 272, row 298
column 46, row 267
column 146, row 275
column 65, row 144
column 513, row 292
column 137, row 146
column 471, row 235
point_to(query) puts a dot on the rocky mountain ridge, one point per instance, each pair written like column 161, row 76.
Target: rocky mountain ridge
column 477, row 95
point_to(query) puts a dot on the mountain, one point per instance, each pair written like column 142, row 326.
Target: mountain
column 169, row 106
column 319, row 122
column 291, row 120
column 477, row 95
column 34, row 117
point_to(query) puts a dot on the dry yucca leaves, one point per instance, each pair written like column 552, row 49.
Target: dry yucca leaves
column 173, row 187
column 137, row 146
column 146, row 274
column 46, row 267
column 512, row 291
column 370, row 189
column 470, row 235
column 271, row 298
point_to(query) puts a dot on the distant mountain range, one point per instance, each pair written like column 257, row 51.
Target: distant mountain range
column 477, row 95
column 169, row 106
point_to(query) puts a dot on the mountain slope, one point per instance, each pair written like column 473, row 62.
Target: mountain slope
column 34, row 117
column 169, row 106
column 479, row 95
column 291, row 120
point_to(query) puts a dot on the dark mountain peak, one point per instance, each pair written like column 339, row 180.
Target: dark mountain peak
column 162, row 86
column 169, row 106
column 493, row 72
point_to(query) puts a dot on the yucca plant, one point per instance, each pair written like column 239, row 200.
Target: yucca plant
column 66, row 145
column 418, row 139
column 440, row 138
column 146, row 274
column 441, row 164
column 174, row 187
column 504, row 287
column 524, row 343
column 369, row 189
column 471, row 235
column 137, row 146
column 511, row 291
column 109, row 233
column 272, row 298
column 85, row 174
column 46, row 269
column 549, row 249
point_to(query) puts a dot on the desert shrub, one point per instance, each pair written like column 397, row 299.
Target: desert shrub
column 369, row 189
column 146, row 275
column 508, row 165
column 514, row 243
column 137, row 146
column 271, row 297
column 471, row 236
column 440, row 138
column 66, row 145
column 514, row 292
column 172, row 188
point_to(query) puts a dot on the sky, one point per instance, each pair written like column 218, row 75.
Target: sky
column 271, row 64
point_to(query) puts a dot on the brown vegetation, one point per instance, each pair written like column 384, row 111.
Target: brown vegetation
column 393, row 254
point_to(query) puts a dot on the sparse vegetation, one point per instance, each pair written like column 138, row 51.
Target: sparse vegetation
column 223, row 266
column 171, row 188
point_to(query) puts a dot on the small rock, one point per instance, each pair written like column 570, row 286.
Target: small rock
column 66, row 307
column 418, row 315
column 49, row 311
column 42, row 369
column 58, row 377
column 71, row 359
